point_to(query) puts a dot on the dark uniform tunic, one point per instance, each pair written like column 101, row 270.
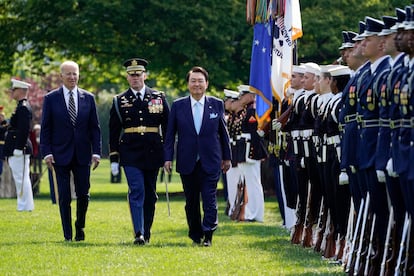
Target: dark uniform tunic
column 135, row 140
column 18, row 131
column 368, row 118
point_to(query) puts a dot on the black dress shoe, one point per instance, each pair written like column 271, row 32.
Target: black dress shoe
column 139, row 239
column 80, row 234
column 207, row 243
column 196, row 242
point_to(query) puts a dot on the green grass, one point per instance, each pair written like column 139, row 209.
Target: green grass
column 32, row 243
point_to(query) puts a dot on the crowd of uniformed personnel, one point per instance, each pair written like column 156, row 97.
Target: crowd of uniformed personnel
column 345, row 143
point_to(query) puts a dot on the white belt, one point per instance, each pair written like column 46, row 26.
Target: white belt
column 295, row 133
column 333, row 140
column 306, row 133
column 247, row 136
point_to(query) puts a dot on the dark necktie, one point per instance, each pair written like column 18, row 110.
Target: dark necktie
column 72, row 108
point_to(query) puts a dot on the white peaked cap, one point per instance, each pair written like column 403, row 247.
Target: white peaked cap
column 231, row 94
column 339, row 70
column 312, row 68
column 300, row 69
column 20, row 84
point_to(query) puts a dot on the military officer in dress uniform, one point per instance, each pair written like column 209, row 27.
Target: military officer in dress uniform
column 137, row 124
column 233, row 127
column 368, row 119
column 18, row 148
column 338, row 195
column 3, row 129
column 253, row 152
column 388, row 111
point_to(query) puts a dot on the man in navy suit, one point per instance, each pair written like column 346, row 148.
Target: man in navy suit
column 70, row 141
column 203, row 151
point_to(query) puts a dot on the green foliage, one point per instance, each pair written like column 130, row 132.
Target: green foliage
column 324, row 20
column 32, row 243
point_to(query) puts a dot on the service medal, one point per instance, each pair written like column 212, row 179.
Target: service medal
column 371, row 106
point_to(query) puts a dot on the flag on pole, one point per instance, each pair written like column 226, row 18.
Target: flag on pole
column 260, row 70
column 287, row 28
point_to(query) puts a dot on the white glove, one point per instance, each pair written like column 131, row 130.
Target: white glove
column 276, row 125
column 286, row 163
column 302, row 162
column 17, row 152
column 115, row 168
column 343, row 178
column 353, row 169
column 260, row 132
column 380, row 176
column 390, row 168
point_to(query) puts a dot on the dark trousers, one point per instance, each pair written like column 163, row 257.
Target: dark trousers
column 197, row 183
column 142, row 197
column 278, row 189
column 397, row 203
column 151, row 197
column 378, row 201
column 81, row 176
column 354, row 189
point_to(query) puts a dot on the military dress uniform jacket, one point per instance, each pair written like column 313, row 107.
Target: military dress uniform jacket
column 3, row 129
column 395, row 80
column 135, row 135
column 388, row 112
column 348, row 118
column 17, row 136
column 368, row 114
column 254, row 144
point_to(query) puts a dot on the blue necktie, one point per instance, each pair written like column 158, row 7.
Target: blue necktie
column 197, row 116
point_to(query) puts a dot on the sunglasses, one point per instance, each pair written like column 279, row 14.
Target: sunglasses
column 135, row 75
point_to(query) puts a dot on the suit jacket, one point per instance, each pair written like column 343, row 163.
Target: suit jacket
column 59, row 137
column 211, row 144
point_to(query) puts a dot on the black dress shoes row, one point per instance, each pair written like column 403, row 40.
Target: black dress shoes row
column 139, row 239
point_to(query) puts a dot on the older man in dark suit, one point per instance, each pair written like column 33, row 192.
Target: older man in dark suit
column 70, row 141
column 203, row 151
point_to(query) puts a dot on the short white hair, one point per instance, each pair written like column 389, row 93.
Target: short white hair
column 69, row 63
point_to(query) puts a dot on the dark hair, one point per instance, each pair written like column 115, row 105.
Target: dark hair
column 341, row 81
column 197, row 69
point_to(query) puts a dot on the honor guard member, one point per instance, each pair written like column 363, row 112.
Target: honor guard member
column 338, row 195
column 368, row 120
column 403, row 161
column 234, row 129
column 284, row 124
column 229, row 97
column 389, row 112
column 293, row 126
column 18, row 148
column 322, row 87
column 308, row 159
column 253, row 153
column 3, row 129
column 137, row 125
column 348, row 118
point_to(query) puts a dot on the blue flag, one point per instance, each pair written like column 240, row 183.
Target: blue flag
column 260, row 70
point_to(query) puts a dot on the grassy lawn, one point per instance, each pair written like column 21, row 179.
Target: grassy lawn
column 32, row 243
